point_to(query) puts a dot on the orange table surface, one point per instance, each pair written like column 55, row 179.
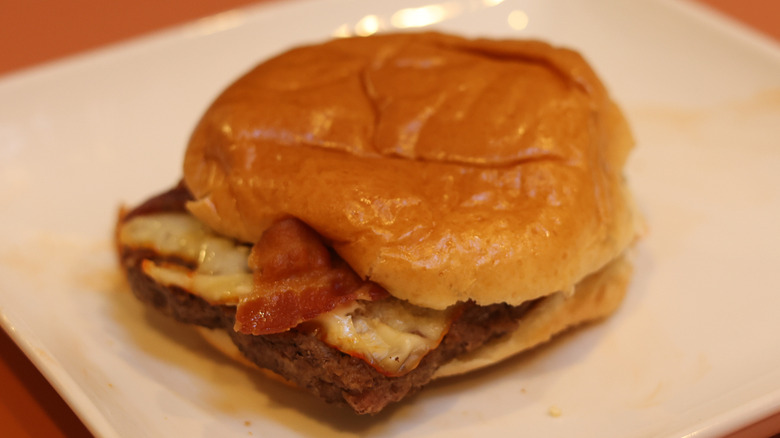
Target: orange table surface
column 37, row 31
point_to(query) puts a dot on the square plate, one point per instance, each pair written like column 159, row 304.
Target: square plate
column 692, row 350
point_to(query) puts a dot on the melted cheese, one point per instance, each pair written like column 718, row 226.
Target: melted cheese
column 216, row 289
column 222, row 275
column 391, row 335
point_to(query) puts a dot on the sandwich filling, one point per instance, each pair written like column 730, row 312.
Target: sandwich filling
column 296, row 283
column 366, row 349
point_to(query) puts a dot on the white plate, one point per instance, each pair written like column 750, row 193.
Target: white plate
column 693, row 350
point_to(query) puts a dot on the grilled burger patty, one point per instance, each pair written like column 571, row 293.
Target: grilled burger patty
column 299, row 354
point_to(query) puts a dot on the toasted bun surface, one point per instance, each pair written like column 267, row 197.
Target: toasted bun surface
column 442, row 168
column 597, row 296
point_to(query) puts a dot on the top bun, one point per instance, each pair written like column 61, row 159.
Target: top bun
column 444, row 169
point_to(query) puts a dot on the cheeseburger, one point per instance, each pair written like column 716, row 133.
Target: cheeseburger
column 365, row 215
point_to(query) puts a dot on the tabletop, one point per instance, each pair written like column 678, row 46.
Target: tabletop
column 36, row 32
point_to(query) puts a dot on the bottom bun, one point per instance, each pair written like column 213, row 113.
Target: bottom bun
column 597, row 296
column 221, row 341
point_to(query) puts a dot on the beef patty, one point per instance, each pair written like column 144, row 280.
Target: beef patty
column 298, row 354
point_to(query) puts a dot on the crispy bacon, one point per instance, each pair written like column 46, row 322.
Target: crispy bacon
column 296, row 279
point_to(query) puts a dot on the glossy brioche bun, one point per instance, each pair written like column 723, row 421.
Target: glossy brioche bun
column 444, row 169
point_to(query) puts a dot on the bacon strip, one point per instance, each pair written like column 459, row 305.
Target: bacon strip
column 296, row 279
